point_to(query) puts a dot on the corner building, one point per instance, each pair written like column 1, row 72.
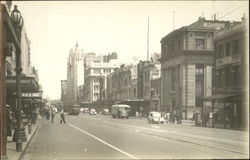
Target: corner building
column 186, row 61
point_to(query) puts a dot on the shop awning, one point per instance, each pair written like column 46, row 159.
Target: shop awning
column 223, row 97
column 28, row 84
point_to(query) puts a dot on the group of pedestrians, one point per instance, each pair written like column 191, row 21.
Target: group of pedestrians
column 51, row 111
column 174, row 116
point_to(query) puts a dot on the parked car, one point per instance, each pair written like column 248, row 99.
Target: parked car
column 155, row 117
column 81, row 109
column 85, row 110
column 105, row 112
column 92, row 111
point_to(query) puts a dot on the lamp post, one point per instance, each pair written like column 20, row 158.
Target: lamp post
column 151, row 99
column 17, row 21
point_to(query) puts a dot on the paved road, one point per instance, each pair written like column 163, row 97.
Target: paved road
column 102, row 137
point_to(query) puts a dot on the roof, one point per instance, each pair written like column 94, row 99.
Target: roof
column 201, row 25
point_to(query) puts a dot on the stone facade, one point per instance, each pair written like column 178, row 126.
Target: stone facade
column 97, row 68
column 187, row 58
column 74, row 72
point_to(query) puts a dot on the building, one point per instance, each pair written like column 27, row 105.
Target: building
column 122, row 87
column 186, row 61
column 151, row 75
column 140, row 80
column 230, row 76
column 96, row 72
column 19, row 87
column 123, row 81
column 131, row 84
column 64, row 88
column 29, row 75
column 75, row 74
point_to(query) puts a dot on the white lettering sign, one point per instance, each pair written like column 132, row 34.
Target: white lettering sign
column 32, row 94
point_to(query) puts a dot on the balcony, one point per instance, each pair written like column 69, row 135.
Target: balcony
column 224, row 61
column 236, row 58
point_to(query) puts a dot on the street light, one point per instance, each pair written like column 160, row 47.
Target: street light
column 19, row 134
column 151, row 98
column 17, row 20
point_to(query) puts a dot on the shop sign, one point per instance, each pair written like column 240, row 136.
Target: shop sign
column 32, row 94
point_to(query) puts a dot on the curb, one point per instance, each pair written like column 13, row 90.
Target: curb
column 26, row 146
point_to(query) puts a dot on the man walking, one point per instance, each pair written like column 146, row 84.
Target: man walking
column 53, row 112
column 62, row 117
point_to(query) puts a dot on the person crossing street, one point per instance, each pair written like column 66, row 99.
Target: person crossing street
column 62, row 115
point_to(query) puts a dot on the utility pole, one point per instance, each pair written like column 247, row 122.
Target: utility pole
column 173, row 20
column 148, row 42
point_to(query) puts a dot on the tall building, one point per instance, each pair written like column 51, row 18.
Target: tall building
column 187, row 59
column 230, row 75
column 75, row 74
column 64, row 86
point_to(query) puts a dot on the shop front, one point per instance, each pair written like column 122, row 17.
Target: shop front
column 227, row 110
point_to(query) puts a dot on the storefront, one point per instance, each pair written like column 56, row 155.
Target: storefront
column 227, row 110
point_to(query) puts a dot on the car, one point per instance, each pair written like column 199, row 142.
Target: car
column 92, row 111
column 85, row 110
column 155, row 117
column 81, row 109
column 105, row 112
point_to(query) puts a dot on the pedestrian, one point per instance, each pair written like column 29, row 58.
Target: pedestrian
column 62, row 117
column 136, row 114
column 53, row 112
column 47, row 114
column 168, row 117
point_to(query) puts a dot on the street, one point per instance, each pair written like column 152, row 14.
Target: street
column 103, row 137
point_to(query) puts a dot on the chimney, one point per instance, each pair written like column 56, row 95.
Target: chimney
column 215, row 17
column 243, row 18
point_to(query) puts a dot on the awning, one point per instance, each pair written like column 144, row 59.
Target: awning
column 28, row 84
column 223, row 97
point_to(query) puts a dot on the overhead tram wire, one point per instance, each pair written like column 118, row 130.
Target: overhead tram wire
column 226, row 14
column 230, row 12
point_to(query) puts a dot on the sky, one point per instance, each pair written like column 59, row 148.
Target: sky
column 107, row 26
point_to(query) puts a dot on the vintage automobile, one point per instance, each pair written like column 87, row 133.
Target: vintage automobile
column 92, row 111
column 155, row 117
column 105, row 112
column 85, row 110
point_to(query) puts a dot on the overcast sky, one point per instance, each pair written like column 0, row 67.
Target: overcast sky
column 103, row 27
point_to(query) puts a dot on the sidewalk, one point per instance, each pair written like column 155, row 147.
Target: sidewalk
column 12, row 154
column 192, row 123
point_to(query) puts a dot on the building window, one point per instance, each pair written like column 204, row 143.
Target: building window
column 172, row 81
column 198, row 89
column 228, row 53
column 173, row 103
column 236, row 75
column 220, row 51
column 134, row 92
column 227, row 76
column 200, row 43
column 236, row 46
column 219, row 78
column 126, row 82
column 179, row 44
column 166, row 49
